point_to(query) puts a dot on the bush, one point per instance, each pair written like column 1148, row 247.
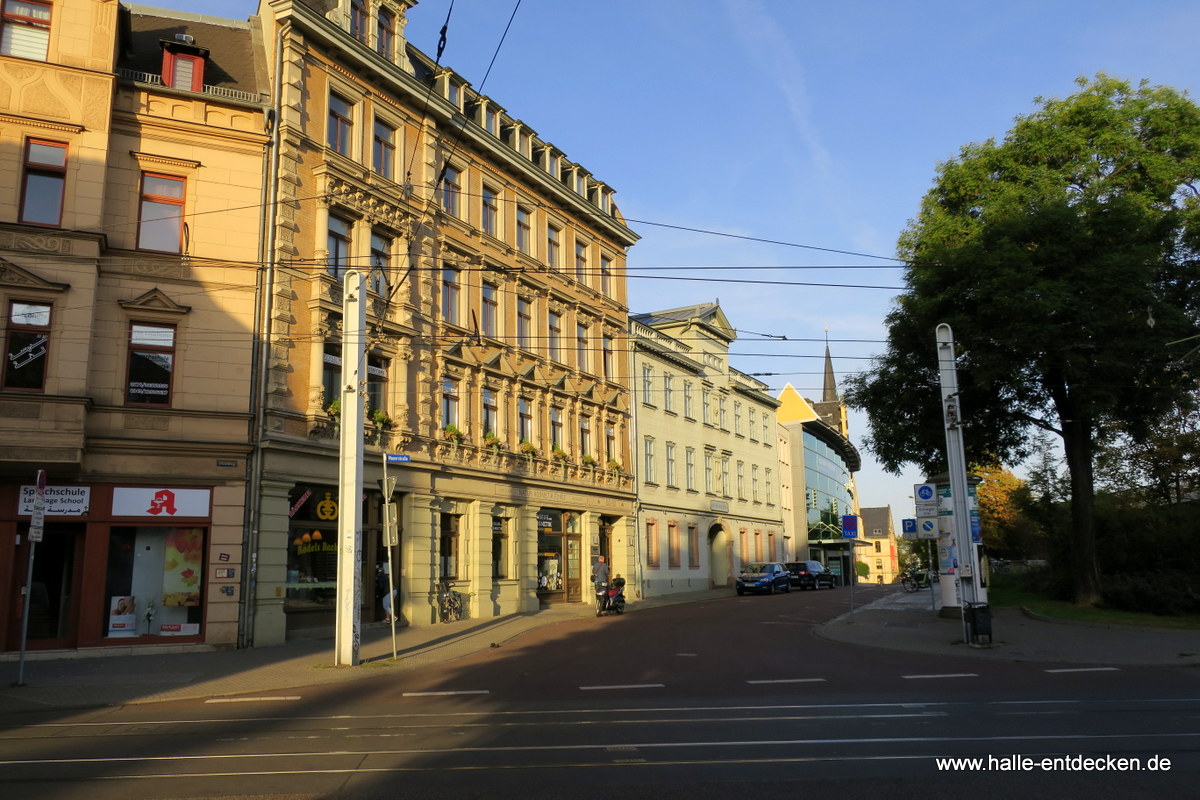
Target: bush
column 1163, row 593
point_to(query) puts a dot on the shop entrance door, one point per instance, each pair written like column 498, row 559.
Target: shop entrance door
column 574, row 568
column 53, row 593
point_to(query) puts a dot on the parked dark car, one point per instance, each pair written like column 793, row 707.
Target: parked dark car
column 810, row 575
column 767, row 577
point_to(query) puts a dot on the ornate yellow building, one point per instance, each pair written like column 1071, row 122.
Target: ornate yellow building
column 133, row 147
column 496, row 323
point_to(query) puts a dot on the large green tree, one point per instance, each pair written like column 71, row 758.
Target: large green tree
column 1065, row 259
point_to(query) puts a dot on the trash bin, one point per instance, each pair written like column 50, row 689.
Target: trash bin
column 978, row 617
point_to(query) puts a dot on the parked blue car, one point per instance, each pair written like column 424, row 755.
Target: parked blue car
column 763, row 578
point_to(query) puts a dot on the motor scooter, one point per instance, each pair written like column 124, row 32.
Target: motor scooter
column 610, row 597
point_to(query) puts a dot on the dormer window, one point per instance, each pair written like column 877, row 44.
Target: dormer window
column 183, row 64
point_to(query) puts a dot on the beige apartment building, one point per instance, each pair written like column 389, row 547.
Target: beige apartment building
column 133, row 145
column 496, row 324
column 706, row 442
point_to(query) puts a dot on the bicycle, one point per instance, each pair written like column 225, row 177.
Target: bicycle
column 912, row 581
column 449, row 602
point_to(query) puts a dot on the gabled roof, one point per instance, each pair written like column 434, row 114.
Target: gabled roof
column 708, row 315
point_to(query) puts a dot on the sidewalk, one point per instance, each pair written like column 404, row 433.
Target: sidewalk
column 896, row 621
column 903, row 621
column 73, row 681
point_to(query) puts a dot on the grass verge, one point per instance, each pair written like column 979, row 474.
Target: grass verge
column 1005, row 591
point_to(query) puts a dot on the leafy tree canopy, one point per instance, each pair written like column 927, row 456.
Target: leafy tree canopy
column 1065, row 259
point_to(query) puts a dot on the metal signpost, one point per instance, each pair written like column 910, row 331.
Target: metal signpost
column 391, row 538
column 850, row 532
column 37, row 528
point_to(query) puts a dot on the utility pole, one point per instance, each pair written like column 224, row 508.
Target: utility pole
column 966, row 570
column 347, row 629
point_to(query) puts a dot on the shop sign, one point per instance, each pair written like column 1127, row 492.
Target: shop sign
column 60, row 501
column 161, row 503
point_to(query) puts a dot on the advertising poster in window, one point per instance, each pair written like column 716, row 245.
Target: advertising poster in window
column 182, row 567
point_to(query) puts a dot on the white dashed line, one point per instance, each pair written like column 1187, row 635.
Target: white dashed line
column 445, row 694
column 791, row 680
column 625, row 686
column 943, row 675
column 251, row 699
column 1085, row 669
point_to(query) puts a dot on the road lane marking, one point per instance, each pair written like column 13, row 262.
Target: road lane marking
column 445, row 694
column 943, row 675
column 1085, row 669
column 251, row 699
column 625, row 686
column 790, row 680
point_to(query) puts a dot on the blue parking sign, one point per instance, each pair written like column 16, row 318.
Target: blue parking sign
column 908, row 525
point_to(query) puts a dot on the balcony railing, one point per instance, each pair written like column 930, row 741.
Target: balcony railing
column 214, row 91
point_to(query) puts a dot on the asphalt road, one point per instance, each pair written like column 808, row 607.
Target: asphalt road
column 723, row 698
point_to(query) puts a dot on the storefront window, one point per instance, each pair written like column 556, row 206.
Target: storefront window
column 154, row 581
column 313, row 546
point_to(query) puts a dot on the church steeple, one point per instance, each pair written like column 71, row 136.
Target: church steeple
column 830, row 393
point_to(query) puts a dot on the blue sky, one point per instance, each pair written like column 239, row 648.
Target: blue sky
column 814, row 124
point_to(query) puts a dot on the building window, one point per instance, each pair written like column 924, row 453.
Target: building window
column 489, row 311
column 556, row 429
column 489, row 212
column 491, row 413
column 449, row 402
column 448, row 547
column 606, row 276
column 706, row 404
column 689, row 468
column 722, row 417
column 151, row 364
column 524, row 420
column 648, row 456
column 553, row 239
column 647, row 384
column 43, row 182
column 581, row 347
column 689, row 410
column 770, row 545
column 450, row 295
column 132, row 574
column 183, row 71
column 358, row 20
column 454, row 94
column 610, row 444
column 606, row 357
column 670, row 464
column 668, row 392
column 385, row 37
column 524, row 324
column 337, row 256
column 693, row 546
column 725, row 476
column 450, row 188
column 753, row 424
column 385, row 149
column 499, row 548
column 489, row 120
column 744, row 548
column 672, row 545
column 377, row 375
column 737, row 418
column 741, row 480
column 28, row 341
column 381, row 263
column 340, row 124
column 709, row 482
column 580, row 261
column 26, row 32
column 758, row 546
column 160, row 215
column 652, row 544
column 554, row 342
column 331, row 375
column 585, row 436
column 524, row 230
column 754, row 482
column 767, row 488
